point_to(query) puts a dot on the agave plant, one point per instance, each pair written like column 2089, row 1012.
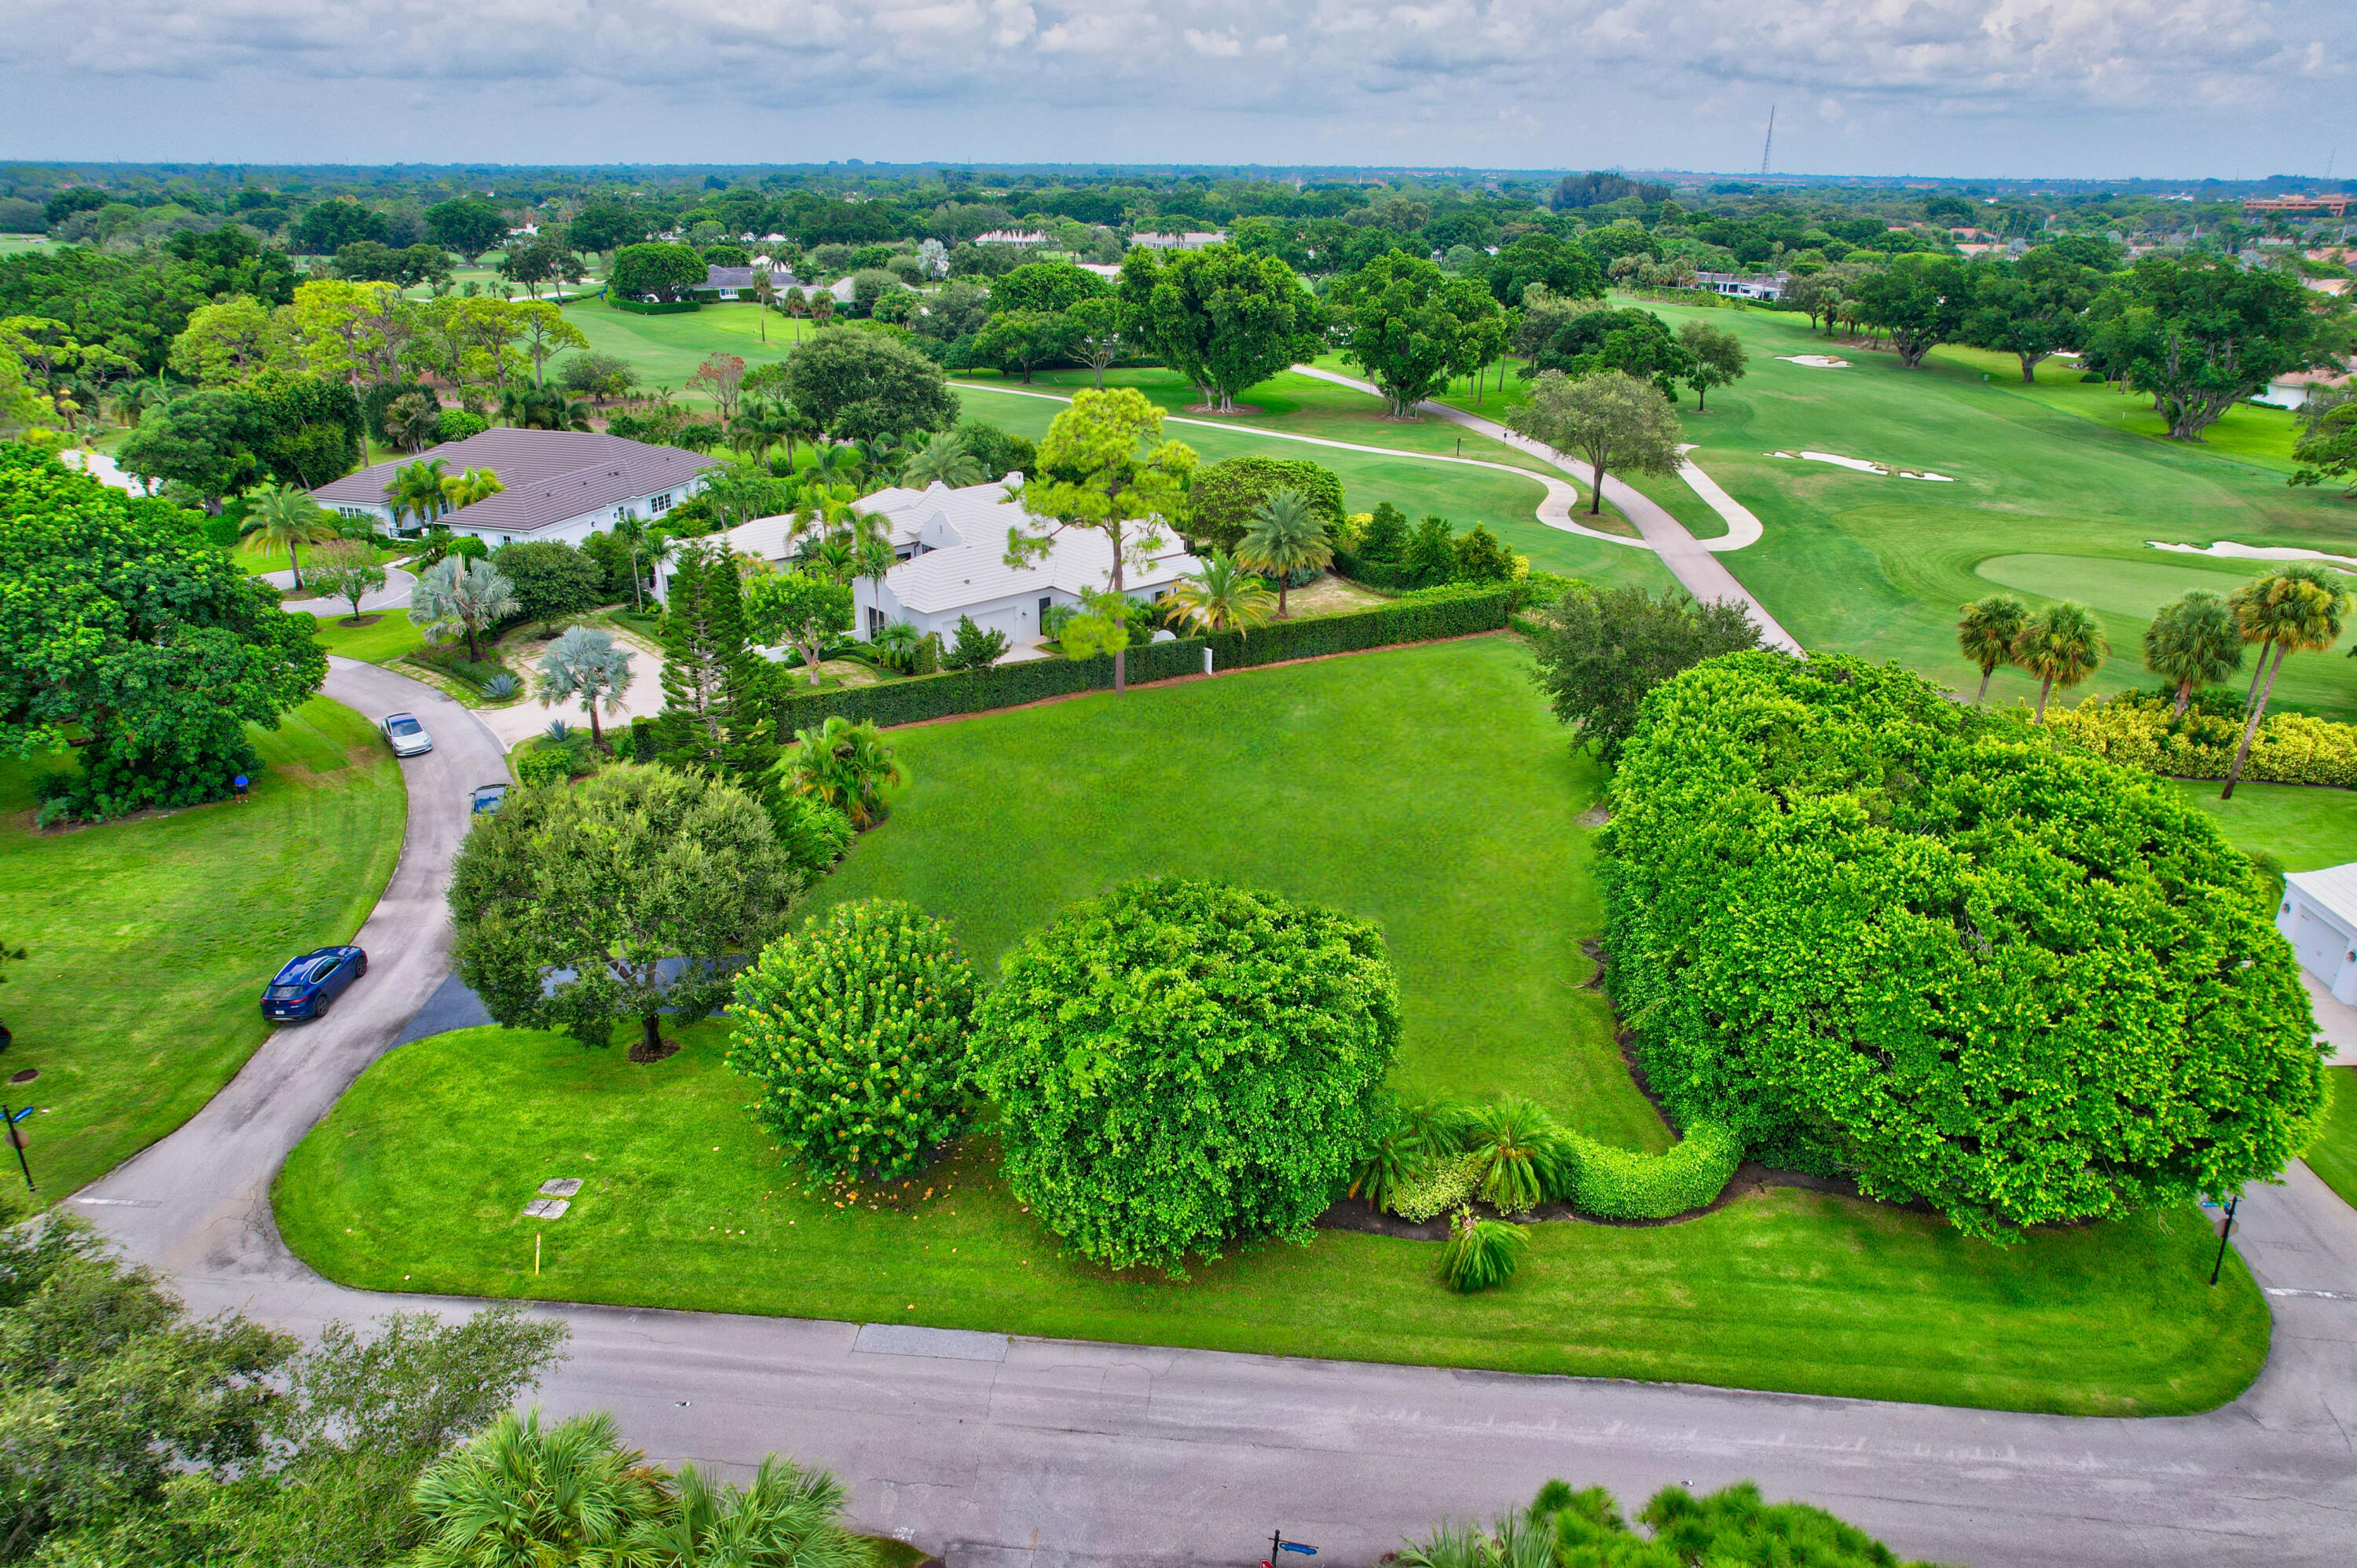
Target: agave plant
column 558, row 732
column 500, row 688
column 1481, row 1254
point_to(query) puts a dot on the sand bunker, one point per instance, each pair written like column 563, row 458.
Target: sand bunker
column 2232, row 551
column 1816, row 361
column 1861, row 465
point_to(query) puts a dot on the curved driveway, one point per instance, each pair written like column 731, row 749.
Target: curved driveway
column 1040, row 1453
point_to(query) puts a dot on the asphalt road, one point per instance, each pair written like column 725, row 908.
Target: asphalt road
column 1046, row 1452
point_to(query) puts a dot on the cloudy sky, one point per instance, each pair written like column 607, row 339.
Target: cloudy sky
column 2164, row 88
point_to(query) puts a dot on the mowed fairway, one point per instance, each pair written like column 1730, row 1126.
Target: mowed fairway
column 2056, row 495
column 151, row 939
column 1425, row 789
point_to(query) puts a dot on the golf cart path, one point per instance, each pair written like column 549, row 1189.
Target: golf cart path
column 1693, row 562
column 1018, row 1452
column 1554, row 510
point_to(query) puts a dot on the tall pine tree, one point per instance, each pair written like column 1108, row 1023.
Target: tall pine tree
column 716, row 688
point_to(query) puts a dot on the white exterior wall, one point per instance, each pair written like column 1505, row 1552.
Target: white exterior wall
column 1017, row 616
column 572, row 530
column 2327, row 947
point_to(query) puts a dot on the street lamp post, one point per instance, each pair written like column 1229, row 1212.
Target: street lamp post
column 2224, row 1231
column 16, row 1140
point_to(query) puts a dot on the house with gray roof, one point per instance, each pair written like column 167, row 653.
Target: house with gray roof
column 562, row 484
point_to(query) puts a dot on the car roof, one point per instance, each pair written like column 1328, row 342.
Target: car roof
column 405, row 714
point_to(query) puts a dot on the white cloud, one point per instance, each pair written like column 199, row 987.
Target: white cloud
column 1645, row 81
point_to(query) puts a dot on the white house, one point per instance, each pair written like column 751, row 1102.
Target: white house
column 563, row 484
column 1190, row 239
column 1745, row 286
column 952, row 545
column 2318, row 917
column 2292, row 389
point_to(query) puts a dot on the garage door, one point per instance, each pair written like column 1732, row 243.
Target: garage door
column 2320, row 944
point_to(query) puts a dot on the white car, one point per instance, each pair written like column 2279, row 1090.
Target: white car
column 408, row 737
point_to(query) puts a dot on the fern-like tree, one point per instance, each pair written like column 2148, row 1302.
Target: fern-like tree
column 713, row 685
column 590, row 666
column 2062, row 645
column 280, row 517
column 522, row 1493
column 2295, row 608
column 1987, row 632
column 973, row 647
column 1222, row 597
column 789, row 1518
column 2193, row 642
column 844, row 765
column 1286, row 535
column 459, row 594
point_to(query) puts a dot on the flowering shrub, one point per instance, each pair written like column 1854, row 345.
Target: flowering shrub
column 2139, row 732
column 856, row 1030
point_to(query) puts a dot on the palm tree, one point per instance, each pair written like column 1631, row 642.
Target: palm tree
column 787, row 1519
column 765, row 294
column 943, row 459
column 521, row 1495
column 1284, row 537
column 412, row 421
column 2193, row 642
column 280, row 517
column 631, row 533
column 760, row 424
column 2297, row 608
column 589, row 665
column 840, row 462
column 844, row 765
column 419, row 490
column 796, row 425
column 656, row 547
column 1986, row 635
column 474, row 485
column 1223, row 596
column 2062, row 645
column 462, row 593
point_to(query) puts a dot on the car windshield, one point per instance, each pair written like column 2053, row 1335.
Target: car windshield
column 405, row 726
column 284, row 993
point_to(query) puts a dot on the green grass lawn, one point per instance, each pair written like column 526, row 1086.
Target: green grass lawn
column 417, row 1178
column 1424, row 787
column 151, row 939
column 2333, row 1155
column 2307, row 827
column 388, row 636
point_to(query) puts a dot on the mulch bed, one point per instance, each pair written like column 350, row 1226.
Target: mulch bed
column 645, row 1057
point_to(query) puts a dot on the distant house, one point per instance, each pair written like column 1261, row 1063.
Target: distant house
column 951, row 546
column 1192, row 239
column 1745, row 286
column 2293, row 390
column 737, row 283
column 1011, row 237
column 562, row 484
column 2318, row 917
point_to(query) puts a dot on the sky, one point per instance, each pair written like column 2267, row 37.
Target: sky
column 2093, row 88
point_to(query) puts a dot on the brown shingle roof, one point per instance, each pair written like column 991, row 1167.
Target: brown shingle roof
column 552, row 476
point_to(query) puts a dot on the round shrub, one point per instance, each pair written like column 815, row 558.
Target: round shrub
column 1870, row 931
column 856, row 1029
column 1181, row 1065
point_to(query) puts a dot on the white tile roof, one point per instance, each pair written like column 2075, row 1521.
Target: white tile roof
column 2332, row 889
column 965, row 575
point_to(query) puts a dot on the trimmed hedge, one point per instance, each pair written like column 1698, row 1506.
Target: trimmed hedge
column 2139, row 732
column 1422, row 617
column 654, row 306
column 1615, row 1184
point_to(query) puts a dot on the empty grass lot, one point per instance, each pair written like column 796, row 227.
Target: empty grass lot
column 1426, row 789
column 2333, row 1155
column 151, row 939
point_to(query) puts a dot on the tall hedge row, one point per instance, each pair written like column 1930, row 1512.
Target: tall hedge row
column 2143, row 732
column 1449, row 612
column 1876, row 932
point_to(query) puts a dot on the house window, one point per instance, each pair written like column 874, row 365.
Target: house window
column 660, row 504
column 875, row 623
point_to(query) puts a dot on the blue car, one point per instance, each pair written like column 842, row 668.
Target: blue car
column 306, row 987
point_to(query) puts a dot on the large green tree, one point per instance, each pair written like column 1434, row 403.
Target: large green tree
column 124, row 633
column 637, row 884
column 1224, row 319
column 468, row 225
column 860, row 384
column 1411, row 327
column 2199, row 334
column 1598, row 653
column 661, row 269
column 1180, row 1066
column 1105, row 467
column 1050, row 286
column 2031, row 308
column 1882, row 933
column 1583, row 343
column 1567, row 268
column 1612, row 419
column 1920, row 301
column 1222, row 497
